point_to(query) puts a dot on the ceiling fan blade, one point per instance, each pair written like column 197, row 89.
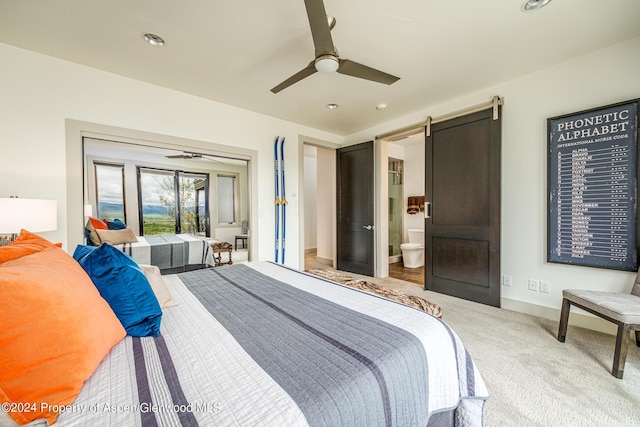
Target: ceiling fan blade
column 211, row 159
column 305, row 72
column 320, row 28
column 185, row 155
column 355, row 69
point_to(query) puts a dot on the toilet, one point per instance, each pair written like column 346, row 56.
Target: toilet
column 413, row 252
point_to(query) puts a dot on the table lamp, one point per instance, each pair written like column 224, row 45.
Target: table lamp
column 30, row 214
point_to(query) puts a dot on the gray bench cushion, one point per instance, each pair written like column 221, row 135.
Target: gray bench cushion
column 621, row 307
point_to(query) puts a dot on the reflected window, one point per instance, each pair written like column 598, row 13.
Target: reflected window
column 110, row 191
column 172, row 202
column 226, row 199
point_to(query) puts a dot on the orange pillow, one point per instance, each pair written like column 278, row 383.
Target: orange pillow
column 98, row 224
column 56, row 329
column 27, row 243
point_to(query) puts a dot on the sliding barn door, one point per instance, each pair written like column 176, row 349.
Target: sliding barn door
column 462, row 232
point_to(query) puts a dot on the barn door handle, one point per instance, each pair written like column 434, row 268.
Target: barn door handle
column 427, row 209
column 368, row 227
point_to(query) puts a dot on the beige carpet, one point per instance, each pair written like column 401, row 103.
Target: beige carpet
column 533, row 379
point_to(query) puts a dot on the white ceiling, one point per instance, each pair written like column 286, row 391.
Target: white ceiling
column 235, row 51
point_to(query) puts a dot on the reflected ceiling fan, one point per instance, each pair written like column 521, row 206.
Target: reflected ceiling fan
column 196, row 156
column 326, row 55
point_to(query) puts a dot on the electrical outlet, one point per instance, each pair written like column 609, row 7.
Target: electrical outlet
column 506, row 280
column 533, row 285
column 545, row 286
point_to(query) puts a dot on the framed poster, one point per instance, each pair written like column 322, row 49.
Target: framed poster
column 592, row 187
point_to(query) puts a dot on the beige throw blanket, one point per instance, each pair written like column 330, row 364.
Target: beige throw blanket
column 407, row 299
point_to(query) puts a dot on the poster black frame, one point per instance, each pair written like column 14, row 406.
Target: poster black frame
column 633, row 141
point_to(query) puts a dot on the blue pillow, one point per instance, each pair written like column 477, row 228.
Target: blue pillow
column 116, row 224
column 124, row 286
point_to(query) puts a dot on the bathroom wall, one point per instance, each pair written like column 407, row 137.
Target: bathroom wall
column 411, row 150
column 413, row 179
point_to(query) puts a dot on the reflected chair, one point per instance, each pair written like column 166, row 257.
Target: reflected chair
column 621, row 309
column 243, row 236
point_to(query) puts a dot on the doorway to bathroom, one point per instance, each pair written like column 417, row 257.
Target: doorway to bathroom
column 396, row 196
column 405, row 182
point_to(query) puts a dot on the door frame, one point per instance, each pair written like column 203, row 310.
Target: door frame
column 381, row 220
column 328, row 145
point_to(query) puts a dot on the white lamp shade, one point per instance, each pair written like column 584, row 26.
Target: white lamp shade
column 30, row 214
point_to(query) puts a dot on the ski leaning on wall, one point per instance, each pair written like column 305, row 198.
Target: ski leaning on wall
column 283, row 200
column 280, row 200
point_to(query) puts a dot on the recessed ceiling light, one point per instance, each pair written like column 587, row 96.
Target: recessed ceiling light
column 381, row 107
column 533, row 5
column 153, row 39
column 332, row 106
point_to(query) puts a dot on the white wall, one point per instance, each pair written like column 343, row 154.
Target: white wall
column 413, row 181
column 37, row 94
column 310, row 196
column 325, row 210
column 600, row 78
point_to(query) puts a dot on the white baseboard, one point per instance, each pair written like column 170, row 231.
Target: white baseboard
column 325, row 261
column 395, row 258
column 577, row 317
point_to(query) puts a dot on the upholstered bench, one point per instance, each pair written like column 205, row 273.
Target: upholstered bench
column 621, row 309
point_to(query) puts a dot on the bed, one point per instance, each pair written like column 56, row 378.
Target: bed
column 263, row 344
column 171, row 252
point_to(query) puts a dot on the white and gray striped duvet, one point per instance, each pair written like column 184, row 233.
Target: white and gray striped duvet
column 169, row 250
column 260, row 344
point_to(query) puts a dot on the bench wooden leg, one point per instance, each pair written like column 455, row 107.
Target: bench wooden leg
column 620, row 355
column 638, row 338
column 564, row 319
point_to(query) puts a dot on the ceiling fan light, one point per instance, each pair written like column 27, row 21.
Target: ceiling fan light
column 327, row 63
column 533, row 5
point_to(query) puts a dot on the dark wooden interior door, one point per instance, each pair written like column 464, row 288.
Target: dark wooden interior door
column 355, row 209
column 462, row 232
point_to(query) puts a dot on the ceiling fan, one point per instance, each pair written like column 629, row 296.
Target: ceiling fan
column 187, row 155
column 326, row 54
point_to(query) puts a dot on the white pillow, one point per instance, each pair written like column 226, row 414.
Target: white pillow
column 158, row 286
